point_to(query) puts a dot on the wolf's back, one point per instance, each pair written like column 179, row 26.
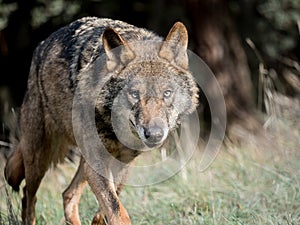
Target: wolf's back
column 81, row 42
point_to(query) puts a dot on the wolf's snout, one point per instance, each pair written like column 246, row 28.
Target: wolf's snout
column 154, row 134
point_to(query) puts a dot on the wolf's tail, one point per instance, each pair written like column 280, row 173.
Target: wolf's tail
column 14, row 169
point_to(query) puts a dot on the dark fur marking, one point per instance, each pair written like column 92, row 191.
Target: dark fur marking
column 114, row 202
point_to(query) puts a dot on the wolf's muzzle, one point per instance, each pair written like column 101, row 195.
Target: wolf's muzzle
column 153, row 134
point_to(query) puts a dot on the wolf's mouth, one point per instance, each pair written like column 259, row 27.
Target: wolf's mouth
column 132, row 124
column 152, row 145
column 133, row 128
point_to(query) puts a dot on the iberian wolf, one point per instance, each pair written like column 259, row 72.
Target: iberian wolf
column 148, row 75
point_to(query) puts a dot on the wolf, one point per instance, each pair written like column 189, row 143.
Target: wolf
column 140, row 73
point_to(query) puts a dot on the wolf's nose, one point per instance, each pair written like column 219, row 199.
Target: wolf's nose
column 154, row 134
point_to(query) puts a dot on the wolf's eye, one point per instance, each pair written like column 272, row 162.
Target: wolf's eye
column 167, row 93
column 135, row 94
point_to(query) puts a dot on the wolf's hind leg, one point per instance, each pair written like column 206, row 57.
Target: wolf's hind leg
column 34, row 173
column 72, row 194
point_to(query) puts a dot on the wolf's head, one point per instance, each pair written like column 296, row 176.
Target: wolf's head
column 155, row 85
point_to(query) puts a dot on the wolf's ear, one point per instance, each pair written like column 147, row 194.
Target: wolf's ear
column 174, row 48
column 116, row 49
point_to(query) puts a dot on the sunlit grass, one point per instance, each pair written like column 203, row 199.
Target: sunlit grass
column 257, row 184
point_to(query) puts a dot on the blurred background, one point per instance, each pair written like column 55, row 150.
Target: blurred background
column 252, row 46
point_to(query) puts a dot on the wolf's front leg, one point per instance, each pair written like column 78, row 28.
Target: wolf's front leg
column 72, row 194
column 107, row 197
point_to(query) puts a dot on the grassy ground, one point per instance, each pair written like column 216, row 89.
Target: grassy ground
column 253, row 184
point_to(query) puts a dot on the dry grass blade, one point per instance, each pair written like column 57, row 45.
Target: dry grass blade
column 9, row 217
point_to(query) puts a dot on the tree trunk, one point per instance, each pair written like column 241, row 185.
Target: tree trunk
column 218, row 44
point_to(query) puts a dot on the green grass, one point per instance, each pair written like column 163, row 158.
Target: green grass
column 253, row 184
